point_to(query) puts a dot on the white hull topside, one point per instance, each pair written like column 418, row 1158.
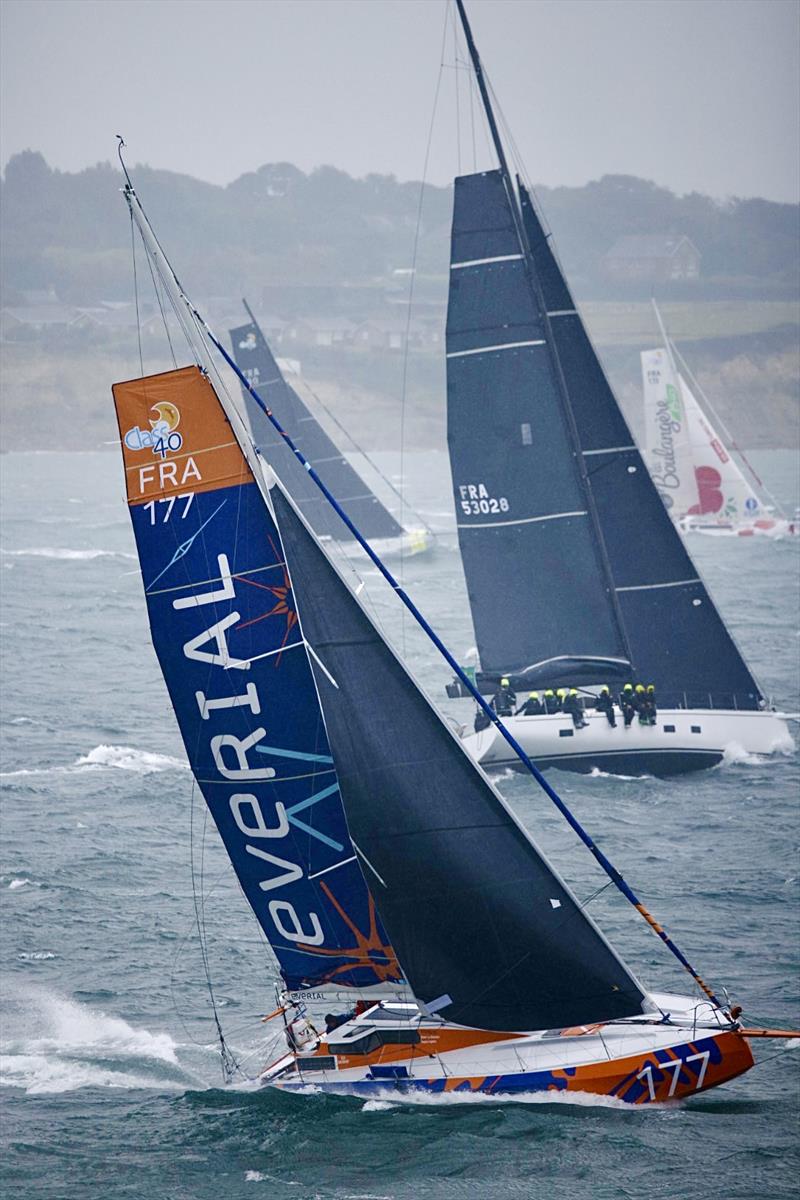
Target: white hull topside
column 681, row 740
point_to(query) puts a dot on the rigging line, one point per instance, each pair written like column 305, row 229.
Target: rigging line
column 161, row 309
column 504, row 732
column 306, row 387
column 410, row 303
column 136, row 298
column 456, row 74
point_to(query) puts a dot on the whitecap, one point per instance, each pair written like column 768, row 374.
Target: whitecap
column 18, row 883
column 62, row 553
column 596, row 773
column 59, row 1045
column 129, row 758
column 378, row 1106
column 36, row 955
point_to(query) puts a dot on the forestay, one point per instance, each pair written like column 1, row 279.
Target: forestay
column 225, row 630
column 486, row 933
column 257, row 363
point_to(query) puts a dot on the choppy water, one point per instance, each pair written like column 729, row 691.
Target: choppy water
column 111, row 1081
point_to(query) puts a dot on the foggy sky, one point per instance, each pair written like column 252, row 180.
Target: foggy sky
column 698, row 95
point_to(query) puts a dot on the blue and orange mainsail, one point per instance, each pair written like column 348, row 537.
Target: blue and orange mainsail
column 226, row 633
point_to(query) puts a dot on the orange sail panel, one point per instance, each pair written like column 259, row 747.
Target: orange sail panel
column 176, row 437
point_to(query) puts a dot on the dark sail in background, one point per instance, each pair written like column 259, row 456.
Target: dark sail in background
column 569, row 553
column 256, row 361
column 534, row 575
column 485, row 932
column 676, row 636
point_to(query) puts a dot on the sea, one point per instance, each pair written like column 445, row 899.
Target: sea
column 122, row 920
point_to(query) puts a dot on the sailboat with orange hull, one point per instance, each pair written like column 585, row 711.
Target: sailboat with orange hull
column 385, row 868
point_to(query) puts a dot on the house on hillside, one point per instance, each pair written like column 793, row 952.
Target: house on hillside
column 320, row 331
column 652, row 258
column 31, row 320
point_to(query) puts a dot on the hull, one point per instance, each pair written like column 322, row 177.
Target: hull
column 630, row 1062
column 682, row 740
column 409, row 543
column 769, row 527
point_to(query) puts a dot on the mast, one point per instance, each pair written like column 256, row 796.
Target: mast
column 533, row 281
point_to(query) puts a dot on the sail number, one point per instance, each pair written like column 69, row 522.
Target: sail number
column 475, row 499
column 150, row 507
column 676, row 1065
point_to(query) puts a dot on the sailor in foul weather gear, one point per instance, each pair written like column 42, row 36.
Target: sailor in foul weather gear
column 572, row 705
column 504, row 700
column 550, row 702
column 605, row 704
column 652, row 711
column 627, row 704
column 482, row 720
column 532, row 707
column 640, row 703
column 561, row 695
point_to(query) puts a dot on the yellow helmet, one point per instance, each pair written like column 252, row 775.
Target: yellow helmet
column 561, row 692
column 504, row 681
column 640, row 687
column 651, row 687
column 573, row 691
column 533, row 695
column 549, row 692
column 628, row 687
column 604, row 691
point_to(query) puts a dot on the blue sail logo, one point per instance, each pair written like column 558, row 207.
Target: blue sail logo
column 162, row 436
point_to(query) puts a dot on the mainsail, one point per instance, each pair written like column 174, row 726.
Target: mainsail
column 225, row 630
column 486, row 932
column 257, row 363
column 577, row 552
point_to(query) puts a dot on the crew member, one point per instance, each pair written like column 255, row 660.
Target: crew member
column 561, row 695
column 504, row 700
column 640, row 703
column 532, row 706
column 626, row 704
column 550, row 702
column 572, row 705
column 605, row 704
column 652, row 711
column 482, row 720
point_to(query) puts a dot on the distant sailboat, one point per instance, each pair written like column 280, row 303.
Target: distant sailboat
column 696, row 474
column 258, row 364
column 575, row 573
column 384, row 867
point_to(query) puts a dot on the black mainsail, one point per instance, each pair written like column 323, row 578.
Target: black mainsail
column 574, row 569
column 257, row 363
column 487, row 934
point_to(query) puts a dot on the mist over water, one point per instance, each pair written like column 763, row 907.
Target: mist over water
column 109, row 1070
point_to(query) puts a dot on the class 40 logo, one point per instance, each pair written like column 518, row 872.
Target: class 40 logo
column 162, row 437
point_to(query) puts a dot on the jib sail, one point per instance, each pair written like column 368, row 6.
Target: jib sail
column 486, row 932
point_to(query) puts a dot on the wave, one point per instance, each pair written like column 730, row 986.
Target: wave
column 36, row 955
column 123, row 758
column 61, row 1045
column 128, row 758
column 596, row 773
column 59, row 553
